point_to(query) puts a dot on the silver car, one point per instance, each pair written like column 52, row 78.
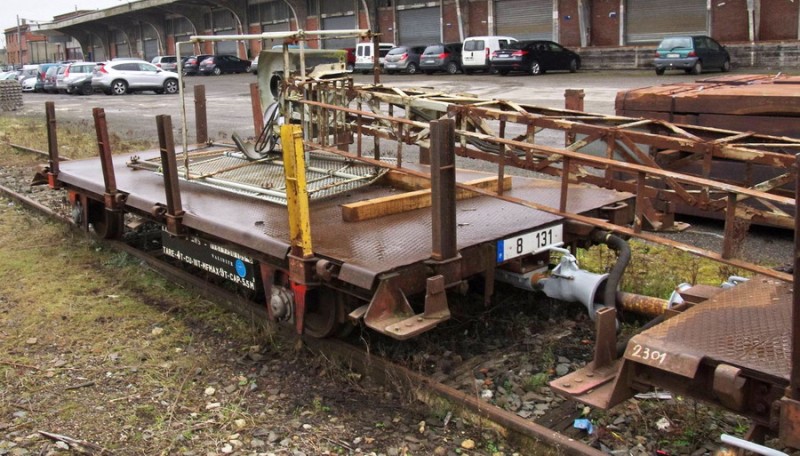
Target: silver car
column 118, row 77
column 166, row 62
column 73, row 72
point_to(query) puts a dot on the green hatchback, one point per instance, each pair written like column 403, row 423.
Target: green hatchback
column 691, row 54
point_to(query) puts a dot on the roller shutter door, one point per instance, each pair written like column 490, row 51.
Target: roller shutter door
column 277, row 27
column 121, row 44
column 226, row 47
column 524, row 19
column 149, row 43
column 150, row 48
column 651, row 20
column 330, row 7
column 339, row 23
column 419, row 26
column 225, row 24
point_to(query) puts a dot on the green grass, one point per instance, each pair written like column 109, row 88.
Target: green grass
column 655, row 270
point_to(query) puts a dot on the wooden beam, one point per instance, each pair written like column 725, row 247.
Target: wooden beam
column 409, row 201
column 405, row 181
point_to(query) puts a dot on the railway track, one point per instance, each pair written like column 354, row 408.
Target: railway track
column 440, row 370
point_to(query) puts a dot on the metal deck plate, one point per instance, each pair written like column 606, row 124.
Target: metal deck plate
column 747, row 326
column 366, row 248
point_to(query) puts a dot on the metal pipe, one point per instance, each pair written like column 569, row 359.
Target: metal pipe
column 299, row 35
column 182, row 94
column 750, row 446
column 640, row 304
column 623, row 250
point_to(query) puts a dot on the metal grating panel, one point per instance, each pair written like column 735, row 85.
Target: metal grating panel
column 326, row 174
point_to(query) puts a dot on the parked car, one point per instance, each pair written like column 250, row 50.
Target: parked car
column 192, row 63
column 441, row 57
column 218, row 64
column 50, row 83
column 27, row 71
column 43, row 67
column 73, row 72
column 364, row 56
column 9, row 75
column 121, row 77
column 535, row 57
column 166, row 62
column 29, row 84
column 77, row 78
column 691, row 54
column 477, row 52
column 403, row 58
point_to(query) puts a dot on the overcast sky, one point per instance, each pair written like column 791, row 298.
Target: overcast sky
column 43, row 11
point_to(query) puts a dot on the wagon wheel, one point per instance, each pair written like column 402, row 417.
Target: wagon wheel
column 106, row 224
column 320, row 319
column 326, row 314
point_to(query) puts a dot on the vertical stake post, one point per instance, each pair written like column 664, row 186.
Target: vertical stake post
column 52, row 143
column 443, row 190
column 200, row 117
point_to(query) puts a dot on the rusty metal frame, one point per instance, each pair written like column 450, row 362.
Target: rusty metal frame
column 524, row 153
column 652, row 143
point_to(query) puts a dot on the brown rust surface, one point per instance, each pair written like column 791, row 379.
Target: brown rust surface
column 366, row 248
column 747, row 326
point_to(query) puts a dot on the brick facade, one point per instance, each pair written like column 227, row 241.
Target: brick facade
column 777, row 25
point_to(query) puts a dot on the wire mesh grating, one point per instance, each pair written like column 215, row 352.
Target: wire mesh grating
column 327, row 174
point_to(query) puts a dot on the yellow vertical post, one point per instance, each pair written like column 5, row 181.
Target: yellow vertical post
column 296, row 191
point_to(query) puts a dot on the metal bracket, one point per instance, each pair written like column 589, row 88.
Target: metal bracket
column 729, row 386
column 390, row 313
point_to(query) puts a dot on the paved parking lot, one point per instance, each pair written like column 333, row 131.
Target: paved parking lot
column 229, row 97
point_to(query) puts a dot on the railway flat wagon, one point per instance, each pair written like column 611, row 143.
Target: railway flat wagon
column 359, row 239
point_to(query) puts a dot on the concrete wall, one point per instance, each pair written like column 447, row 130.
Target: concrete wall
column 774, row 56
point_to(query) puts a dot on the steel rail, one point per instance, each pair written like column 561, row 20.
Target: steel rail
column 526, row 434
column 32, row 150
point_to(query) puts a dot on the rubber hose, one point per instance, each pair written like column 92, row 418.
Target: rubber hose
column 623, row 250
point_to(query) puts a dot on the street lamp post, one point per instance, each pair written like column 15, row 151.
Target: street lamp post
column 19, row 43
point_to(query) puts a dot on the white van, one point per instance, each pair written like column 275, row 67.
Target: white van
column 364, row 56
column 477, row 51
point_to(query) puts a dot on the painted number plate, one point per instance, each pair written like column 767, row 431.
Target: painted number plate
column 673, row 56
column 529, row 243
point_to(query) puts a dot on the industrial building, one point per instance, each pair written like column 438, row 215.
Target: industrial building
column 147, row 28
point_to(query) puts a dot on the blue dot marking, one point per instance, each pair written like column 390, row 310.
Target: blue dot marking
column 241, row 269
